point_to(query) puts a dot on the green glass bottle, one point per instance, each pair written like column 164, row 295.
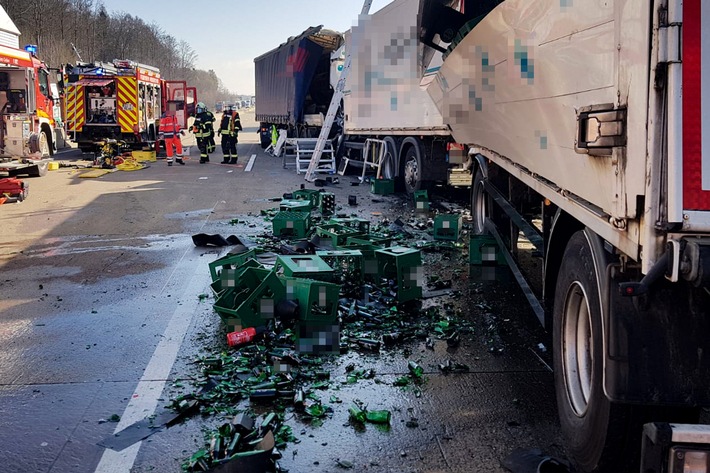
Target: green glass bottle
column 416, row 370
column 356, row 413
column 378, row 417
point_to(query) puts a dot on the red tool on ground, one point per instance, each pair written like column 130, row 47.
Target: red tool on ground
column 13, row 190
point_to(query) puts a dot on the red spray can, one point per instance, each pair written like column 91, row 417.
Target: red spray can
column 243, row 336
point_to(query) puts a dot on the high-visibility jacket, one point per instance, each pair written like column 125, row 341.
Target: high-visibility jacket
column 169, row 126
column 202, row 126
column 230, row 125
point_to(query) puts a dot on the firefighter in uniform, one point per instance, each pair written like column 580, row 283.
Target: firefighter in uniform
column 203, row 130
column 210, row 123
column 229, row 129
column 170, row 133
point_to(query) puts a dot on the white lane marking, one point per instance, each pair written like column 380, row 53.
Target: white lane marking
column 250, row 164
column 150, row 387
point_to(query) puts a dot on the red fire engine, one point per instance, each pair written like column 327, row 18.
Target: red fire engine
column 28, row 105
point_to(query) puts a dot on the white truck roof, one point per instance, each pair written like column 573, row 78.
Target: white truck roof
column 9, row 34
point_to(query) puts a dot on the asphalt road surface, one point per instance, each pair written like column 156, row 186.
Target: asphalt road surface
column 101, row 319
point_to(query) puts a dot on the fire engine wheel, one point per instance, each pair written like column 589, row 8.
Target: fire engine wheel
column 594, row 427
column 412, row 170
column 40, row 143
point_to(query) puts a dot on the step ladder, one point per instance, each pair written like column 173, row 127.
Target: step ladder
column 373, row 155
column 334, row 106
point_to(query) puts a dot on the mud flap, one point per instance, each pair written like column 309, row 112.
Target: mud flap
column 658, row 351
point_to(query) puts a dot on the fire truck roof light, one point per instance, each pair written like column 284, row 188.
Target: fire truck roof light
column 31, row 48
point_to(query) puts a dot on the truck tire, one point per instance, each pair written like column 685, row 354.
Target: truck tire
column 480, row 203
column 388, row 167
column 39, row 143
column 595, row 429
column 412, row 169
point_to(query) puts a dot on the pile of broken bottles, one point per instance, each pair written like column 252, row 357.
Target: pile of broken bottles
column 340, row 283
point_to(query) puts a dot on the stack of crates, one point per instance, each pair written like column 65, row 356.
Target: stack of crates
column 304, row 266
column 318, row 330
column 291, row 224
column 251, row 303
column 421, row 201
column 447, row 226
column 403, row 266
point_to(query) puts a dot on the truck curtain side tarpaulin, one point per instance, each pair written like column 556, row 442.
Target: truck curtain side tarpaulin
column 283, row 77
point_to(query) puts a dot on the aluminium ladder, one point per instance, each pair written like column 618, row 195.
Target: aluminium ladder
column 333, row 108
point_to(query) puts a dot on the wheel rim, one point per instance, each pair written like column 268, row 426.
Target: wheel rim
column 577, row 348
column 411, row 172
column 43, row 145
column 479, row 207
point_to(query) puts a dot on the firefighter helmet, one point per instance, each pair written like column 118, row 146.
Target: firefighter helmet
column 201, row 107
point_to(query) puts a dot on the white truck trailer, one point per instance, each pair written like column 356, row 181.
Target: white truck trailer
column 383, row 96
column 384, row 99
column 587, row 124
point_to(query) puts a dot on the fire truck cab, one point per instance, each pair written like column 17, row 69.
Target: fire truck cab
column 27, row 111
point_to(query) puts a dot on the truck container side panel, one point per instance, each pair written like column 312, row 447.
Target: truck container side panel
column 696, row 62
column 282, row 81
column 386, row 71
column 76, row 115
column 515, row 83
column 127, row 107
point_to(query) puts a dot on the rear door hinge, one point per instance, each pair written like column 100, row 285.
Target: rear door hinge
column 669, row 43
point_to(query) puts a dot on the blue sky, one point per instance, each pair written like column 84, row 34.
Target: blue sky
column 228, row 34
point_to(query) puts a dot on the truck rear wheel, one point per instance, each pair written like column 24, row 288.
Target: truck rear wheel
column 412, row 170
column 388, row 166
column 595, row 429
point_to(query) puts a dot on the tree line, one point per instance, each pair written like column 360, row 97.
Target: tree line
column 67, row 31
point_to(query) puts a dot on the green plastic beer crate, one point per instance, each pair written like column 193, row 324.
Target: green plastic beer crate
column 252, row 303
column 360, row 224
column 293, row 205
column 421, row 201
column 369, row 260
column 291, row 224
column 304, row 266
column 404, row 266
column 310, row 195
column 483, row 250
column 229, row 277
column 447, row 227
column 347, row 264
column 336, row 233
column 382, row 186
column 381, row 241
column 228, row 261
column 317, row 300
